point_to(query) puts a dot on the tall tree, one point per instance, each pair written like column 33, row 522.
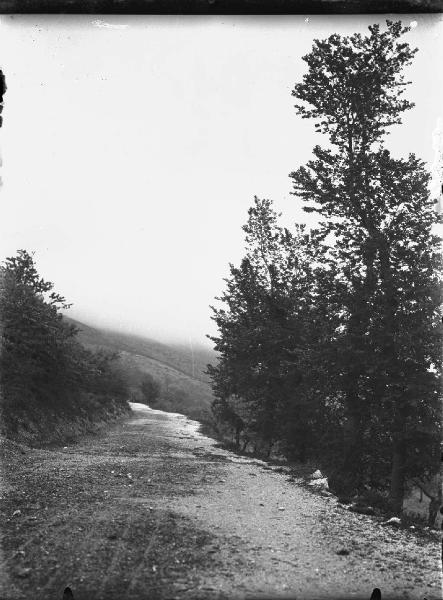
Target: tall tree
column 264, row 331
column 378, row 215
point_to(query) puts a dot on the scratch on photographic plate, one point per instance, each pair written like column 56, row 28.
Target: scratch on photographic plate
column 105, row 25
column 437, row 165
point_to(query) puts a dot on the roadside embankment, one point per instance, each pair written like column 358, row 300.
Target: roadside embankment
column 42, row 425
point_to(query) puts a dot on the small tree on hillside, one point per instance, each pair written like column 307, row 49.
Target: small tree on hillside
column 150, row 389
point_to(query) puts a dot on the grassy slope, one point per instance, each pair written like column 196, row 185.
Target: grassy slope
column 174, row 366
column 177, row 356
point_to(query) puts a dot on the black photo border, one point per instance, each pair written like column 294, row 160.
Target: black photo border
column 219, row 7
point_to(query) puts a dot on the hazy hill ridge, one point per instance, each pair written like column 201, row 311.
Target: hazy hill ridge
column 179, row 369
column 189, row 361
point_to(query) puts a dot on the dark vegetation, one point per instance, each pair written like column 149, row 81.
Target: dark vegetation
column 52, row 388
column 150, row 389
column 330, row 338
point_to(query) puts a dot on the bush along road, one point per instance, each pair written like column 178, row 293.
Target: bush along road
column 153, row 509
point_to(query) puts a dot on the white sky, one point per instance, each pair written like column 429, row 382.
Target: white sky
column 133, row 146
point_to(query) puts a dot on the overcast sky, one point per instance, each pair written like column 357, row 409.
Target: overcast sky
column 132, row 149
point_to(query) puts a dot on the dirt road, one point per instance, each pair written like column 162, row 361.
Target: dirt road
column 152, row 509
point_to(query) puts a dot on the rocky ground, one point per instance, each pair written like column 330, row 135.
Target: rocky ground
column 153, row 509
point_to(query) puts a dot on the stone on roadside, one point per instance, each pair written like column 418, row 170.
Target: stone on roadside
column 394, row 521
column 319, row 484
column 317, row 474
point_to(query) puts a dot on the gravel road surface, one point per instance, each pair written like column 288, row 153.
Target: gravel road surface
column 153, row 509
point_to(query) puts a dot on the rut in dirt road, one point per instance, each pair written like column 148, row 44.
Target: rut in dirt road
column 153, row 509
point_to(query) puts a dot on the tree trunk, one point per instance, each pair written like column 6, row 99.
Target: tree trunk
column 302, row 453
column 352, row 452
column 397, row 477
column 436, row 501
column 434, row 505
column 237, row 437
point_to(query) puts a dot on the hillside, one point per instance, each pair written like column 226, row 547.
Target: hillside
column 178, row 369
column 182, row 358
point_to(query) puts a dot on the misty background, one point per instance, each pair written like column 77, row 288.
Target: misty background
column 133, row 146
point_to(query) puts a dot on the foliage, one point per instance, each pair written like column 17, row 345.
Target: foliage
column 261, row 375
column 150, row 389
column 42, row 364
column 329, row 340
column 378, row 212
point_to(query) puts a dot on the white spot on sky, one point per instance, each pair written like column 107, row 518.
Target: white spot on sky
column 105, row 25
